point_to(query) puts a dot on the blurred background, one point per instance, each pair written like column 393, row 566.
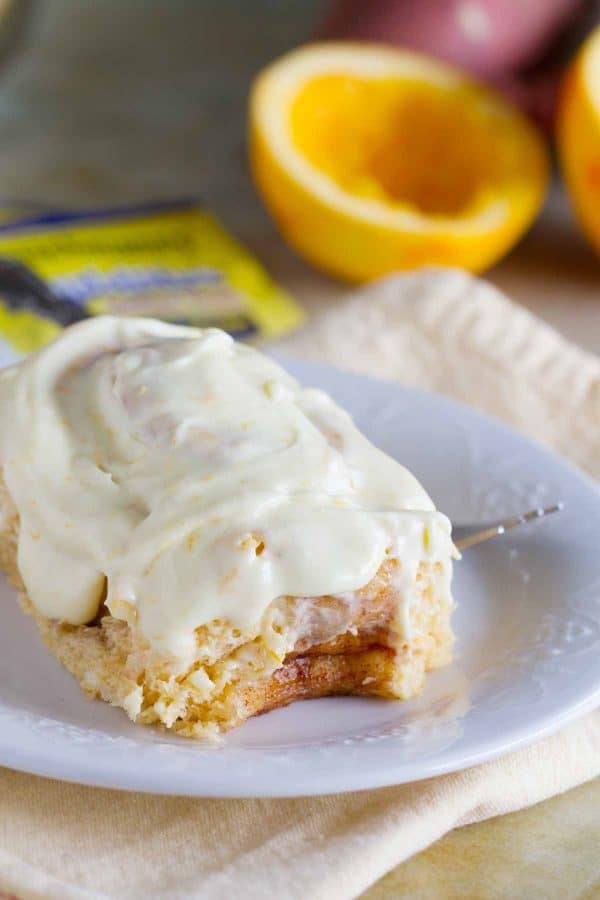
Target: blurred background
column 112, row 101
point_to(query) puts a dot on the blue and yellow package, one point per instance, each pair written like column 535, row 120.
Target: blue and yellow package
column 173, row 261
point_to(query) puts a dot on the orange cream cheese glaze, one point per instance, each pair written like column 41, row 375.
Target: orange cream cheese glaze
column 192, row 479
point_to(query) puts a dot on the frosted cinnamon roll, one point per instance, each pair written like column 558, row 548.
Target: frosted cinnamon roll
column 201, row 539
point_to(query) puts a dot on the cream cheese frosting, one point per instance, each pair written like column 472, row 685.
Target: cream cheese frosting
column 188, row 478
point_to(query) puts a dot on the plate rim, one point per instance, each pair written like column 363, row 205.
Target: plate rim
column 373, row 780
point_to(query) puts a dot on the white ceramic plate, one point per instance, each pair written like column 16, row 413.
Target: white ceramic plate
column 527, row 656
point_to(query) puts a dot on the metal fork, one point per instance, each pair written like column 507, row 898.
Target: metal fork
column 468, row 535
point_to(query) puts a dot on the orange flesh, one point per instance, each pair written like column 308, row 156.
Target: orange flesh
column 407, row 143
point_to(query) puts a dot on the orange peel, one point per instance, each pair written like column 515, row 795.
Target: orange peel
column 578, row 134
column 373, row 159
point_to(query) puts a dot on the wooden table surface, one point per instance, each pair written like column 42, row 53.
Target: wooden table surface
column 117, row 100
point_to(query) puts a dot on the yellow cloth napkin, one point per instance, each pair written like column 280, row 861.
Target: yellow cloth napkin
column 442, row 330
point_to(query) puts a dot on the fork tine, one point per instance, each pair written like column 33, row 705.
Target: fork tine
column 495, row 528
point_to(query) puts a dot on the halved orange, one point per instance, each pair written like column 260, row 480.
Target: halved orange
column 578, row 132
column 373, row 159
